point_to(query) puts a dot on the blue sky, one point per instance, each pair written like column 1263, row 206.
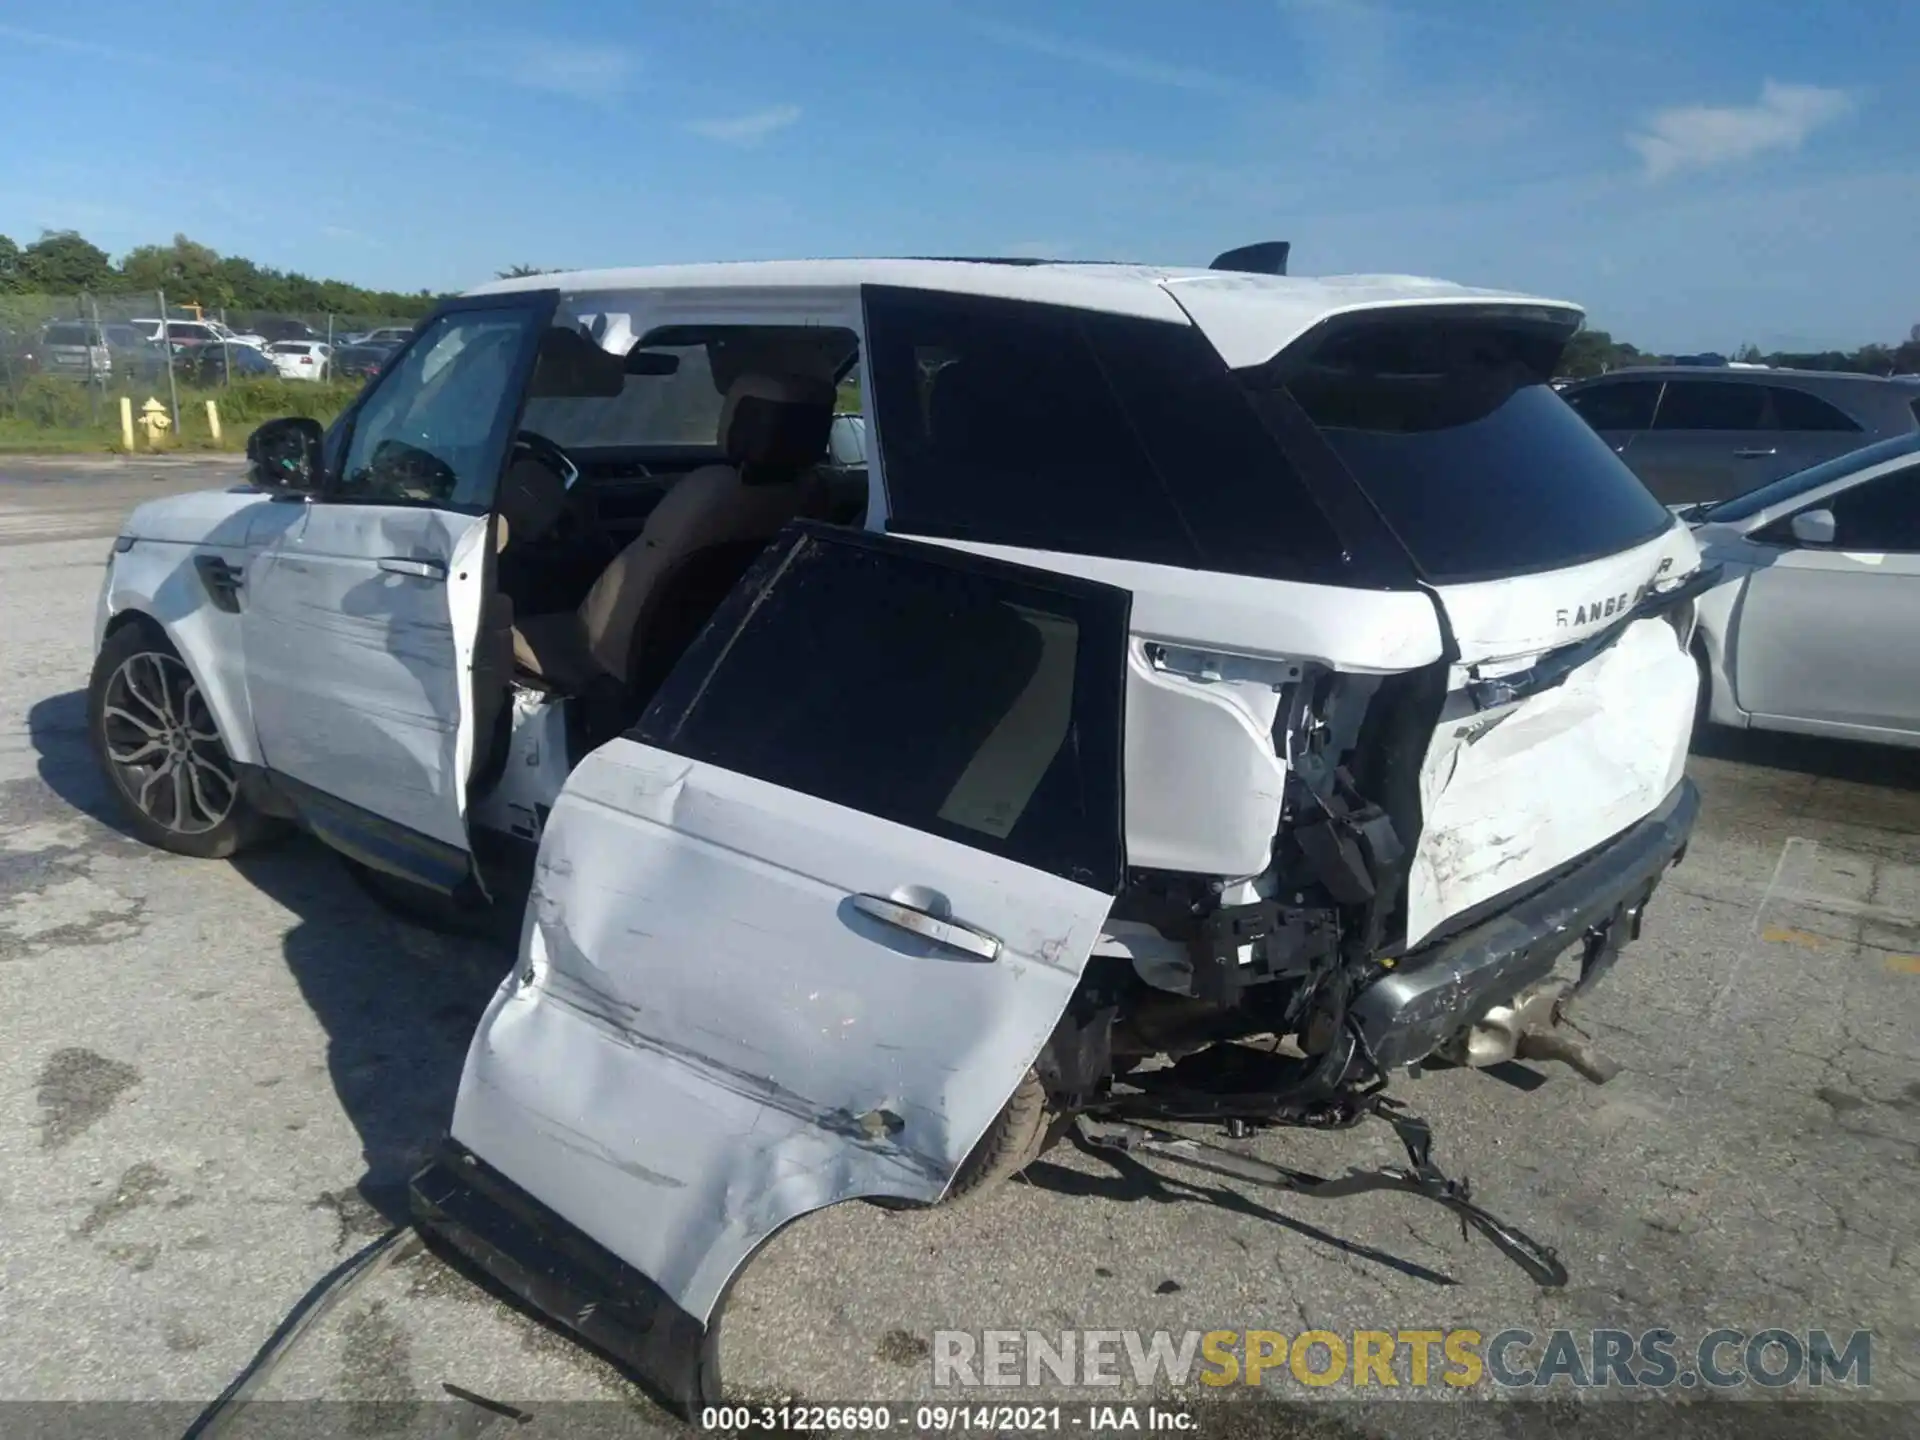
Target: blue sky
column 1698, row 173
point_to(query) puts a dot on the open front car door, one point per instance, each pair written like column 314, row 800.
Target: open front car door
column 796, row 938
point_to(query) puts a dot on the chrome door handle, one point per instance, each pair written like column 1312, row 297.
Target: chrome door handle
column 1753, row 454
column 421, row 569
column 974, row 944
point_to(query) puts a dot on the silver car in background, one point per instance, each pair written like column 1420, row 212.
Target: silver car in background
column 1695, row 434
column 1815, row 625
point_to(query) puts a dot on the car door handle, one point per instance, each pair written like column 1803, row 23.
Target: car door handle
column 1753, row 454
column 974, row 944
column 423, row 569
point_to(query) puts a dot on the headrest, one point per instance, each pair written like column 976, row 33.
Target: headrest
column 777, row 421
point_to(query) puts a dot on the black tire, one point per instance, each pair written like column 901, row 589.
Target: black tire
column 162, row 751
column 1703, row 704
column 1018, row 1136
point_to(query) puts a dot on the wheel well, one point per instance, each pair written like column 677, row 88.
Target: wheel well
column 124, row 618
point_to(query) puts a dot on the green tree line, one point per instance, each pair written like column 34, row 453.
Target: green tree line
column 64, row 262
column 1595, row 352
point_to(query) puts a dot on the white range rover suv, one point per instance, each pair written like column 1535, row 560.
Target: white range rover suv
column 1179, row 656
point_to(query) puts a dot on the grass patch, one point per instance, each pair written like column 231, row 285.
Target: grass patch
column 50, row 415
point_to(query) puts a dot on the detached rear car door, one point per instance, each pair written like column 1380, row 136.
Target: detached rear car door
column 360, row 622
column 797, row 937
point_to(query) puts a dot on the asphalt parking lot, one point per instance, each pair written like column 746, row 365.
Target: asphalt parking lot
column 216, row 1078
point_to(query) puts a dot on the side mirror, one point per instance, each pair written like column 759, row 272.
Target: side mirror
column 284, row 456
column 1813, row 527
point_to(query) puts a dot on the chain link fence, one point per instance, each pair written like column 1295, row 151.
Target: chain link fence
column 67, row 362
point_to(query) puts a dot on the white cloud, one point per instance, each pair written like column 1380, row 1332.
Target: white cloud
column 1695, row 137
column 594, row 73
column 747, row 129
column 1099, row 57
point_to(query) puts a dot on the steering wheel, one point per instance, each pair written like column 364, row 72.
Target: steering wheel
column 578, row 519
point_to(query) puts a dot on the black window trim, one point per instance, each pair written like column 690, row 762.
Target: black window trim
column 1104, row 647
column 539, row 303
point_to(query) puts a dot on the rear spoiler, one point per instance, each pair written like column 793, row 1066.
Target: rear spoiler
column 1268, row 257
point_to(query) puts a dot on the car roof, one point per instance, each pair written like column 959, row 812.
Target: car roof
column 1249, row 318
column 1717, row 372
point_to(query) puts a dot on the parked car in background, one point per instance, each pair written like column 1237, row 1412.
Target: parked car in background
column 76, row 348
column 300, row 359
column 285, row 327
column 134, row 356
column 196, row 332
column 1696, row 434
column 360, row 360
column 385, row 335
column 215, row 364
column 1815, row 625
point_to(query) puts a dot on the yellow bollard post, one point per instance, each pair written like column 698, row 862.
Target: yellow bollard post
column 126, row 423
column 213, row 420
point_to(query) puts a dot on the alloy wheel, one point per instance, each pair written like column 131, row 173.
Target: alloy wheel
column 162, row 745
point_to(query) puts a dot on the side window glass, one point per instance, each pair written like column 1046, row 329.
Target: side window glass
column 1091, row 434
column 1627, row 405
column 1797, row 410
column 435, row 430
column 1881, row 515
column 1711, row 405
column 931, row 691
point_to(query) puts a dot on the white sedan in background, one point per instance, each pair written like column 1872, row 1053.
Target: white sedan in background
column 1815, row 627
column 300, row 359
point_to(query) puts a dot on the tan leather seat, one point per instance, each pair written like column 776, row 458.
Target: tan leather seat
column 773, row 431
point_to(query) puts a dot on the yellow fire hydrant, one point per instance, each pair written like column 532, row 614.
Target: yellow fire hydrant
column 155, row 421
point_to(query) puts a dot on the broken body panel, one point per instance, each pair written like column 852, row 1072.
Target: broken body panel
column 752, row 985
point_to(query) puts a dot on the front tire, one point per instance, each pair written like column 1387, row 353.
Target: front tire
column 162, row 752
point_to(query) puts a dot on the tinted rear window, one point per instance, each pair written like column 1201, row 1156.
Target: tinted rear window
column 1449, row 425
column 1069, row 430
column 70, row 335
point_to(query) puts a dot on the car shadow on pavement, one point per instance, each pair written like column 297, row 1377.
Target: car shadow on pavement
column 398, row 1003
column 1857, row 761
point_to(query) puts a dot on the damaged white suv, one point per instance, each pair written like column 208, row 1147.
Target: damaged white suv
column 1183, row 656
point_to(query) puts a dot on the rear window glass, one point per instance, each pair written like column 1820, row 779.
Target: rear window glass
column 70, row 335
column 1617, row 405
column 1797, row 410
column 1712, row 405
column 1450, row 427
column 1069, row 430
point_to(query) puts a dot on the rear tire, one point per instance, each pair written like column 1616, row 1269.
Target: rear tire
column 1019, row 1134
column 162, row 751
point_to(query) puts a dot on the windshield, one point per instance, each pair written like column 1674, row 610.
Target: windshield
column 1745, row 507
column 1450, row 427
column 673, row 410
